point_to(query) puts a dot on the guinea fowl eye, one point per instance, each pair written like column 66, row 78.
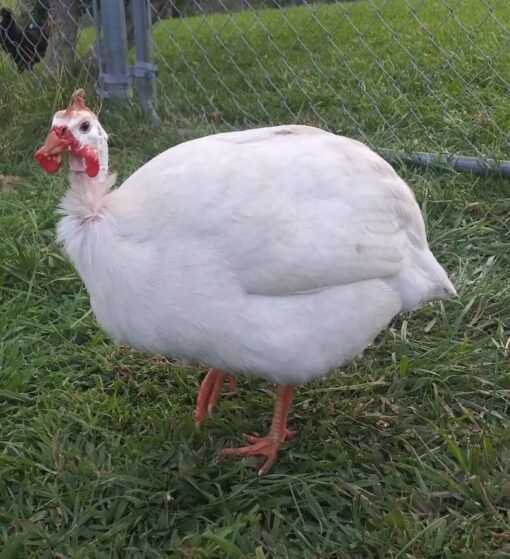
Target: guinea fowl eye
column 85, row 126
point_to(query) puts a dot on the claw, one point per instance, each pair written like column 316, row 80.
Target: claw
column 268, row 446
column 265, row 446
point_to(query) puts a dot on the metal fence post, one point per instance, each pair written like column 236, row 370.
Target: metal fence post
column 114, row 76
column 144, row 69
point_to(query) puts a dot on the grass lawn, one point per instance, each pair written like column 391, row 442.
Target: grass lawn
column 425, row 75
column 405, row 454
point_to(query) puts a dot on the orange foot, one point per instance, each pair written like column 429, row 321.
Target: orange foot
column 209, row 393
column 268, row 446
column 265, row 446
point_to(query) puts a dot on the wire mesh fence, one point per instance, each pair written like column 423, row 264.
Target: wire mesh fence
column 420, row 75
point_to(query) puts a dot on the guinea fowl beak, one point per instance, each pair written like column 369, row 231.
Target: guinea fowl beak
column 57, row 141
column 53, row 143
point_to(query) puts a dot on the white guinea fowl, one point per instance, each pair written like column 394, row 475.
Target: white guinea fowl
column 280, row 252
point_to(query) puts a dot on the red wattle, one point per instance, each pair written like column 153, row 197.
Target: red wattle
column 91, row 159
column 49, row 163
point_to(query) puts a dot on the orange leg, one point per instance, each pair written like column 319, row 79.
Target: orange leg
column 209, row 393
column 268, row 445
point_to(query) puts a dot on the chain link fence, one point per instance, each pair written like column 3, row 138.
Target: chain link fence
column 427, row 77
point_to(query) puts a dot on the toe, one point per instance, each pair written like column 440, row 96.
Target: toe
column 268, row 464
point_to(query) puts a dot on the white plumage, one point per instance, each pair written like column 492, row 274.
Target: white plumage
column 280, row 252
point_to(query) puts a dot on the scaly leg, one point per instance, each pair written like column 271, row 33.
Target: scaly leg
column 268, row 445
column 209, row 393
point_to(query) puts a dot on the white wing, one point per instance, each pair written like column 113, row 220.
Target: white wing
column 287, row 209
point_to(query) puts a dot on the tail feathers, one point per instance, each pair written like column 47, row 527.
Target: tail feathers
column 441, row 285
column 422, row 280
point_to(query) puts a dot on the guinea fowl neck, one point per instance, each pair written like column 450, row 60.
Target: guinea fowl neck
column 103, row 161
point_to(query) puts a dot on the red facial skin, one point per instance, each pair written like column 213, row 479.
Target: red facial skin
column 59, row 140
column 91, row 160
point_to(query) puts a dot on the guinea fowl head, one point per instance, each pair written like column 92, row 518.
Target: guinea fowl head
column 78, row 132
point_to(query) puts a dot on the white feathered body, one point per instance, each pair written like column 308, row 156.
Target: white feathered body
column 280, row 251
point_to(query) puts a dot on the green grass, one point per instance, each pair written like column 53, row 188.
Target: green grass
column 405, row 454
column 400, row 74
column 414, row 74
